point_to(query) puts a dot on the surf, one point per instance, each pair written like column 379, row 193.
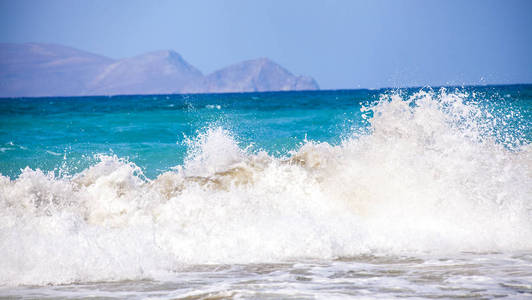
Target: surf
column 432, row 173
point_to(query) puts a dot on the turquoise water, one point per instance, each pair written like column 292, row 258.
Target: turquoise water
column 422, row 192
column 65, row 133
column 150, row 130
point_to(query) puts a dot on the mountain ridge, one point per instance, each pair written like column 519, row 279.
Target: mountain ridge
column 38, row 70
column 256, row 75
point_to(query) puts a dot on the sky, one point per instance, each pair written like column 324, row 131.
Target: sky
column 342, row 44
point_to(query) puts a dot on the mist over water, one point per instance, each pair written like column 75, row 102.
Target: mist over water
column 322, row 182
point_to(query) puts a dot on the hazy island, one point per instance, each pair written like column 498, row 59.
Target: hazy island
column 37, row 70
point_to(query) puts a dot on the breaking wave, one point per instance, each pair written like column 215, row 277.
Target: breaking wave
column 429, row 176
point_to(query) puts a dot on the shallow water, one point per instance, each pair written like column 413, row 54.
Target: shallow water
column 465, row 276
column 408, row 193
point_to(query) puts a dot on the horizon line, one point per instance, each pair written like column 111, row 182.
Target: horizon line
column 278, row 92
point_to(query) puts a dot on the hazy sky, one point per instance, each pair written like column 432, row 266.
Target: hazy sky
column 342, row 44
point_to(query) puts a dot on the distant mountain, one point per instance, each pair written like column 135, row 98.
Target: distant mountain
column 256, row 75
column 160, row 72
column 47, row 70
column 53, row 70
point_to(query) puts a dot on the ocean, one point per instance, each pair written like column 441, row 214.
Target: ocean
column 390, row 193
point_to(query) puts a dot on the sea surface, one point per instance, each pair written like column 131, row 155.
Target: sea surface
column 392, row 193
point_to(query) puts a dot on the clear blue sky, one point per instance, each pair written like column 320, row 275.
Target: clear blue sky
column 342, row 44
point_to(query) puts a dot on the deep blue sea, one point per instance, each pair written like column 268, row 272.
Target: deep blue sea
column 420, row 192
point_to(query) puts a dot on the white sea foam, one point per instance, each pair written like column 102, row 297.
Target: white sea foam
column 427, row 178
